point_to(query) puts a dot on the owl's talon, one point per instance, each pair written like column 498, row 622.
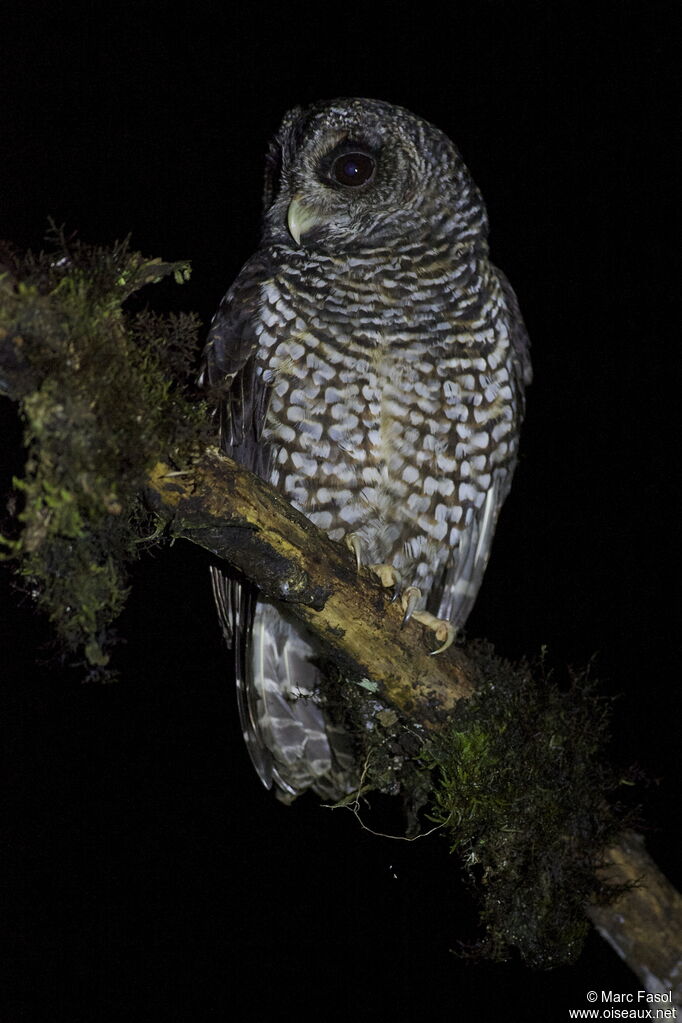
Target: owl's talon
column 354, row 544
column 409, row 599
column 446, row 634
column 444, row 631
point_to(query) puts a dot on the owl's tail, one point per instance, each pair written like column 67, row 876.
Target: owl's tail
column 289, row 733
column 306, row 748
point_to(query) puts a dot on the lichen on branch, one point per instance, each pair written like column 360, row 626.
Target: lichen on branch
column 100, row 396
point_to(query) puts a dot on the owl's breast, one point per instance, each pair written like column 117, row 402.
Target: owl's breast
column 334, row 425
column 384, row 422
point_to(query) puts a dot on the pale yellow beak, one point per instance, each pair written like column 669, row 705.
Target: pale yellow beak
column 300, row 219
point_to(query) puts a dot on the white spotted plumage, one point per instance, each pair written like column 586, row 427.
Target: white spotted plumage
column 372, row 367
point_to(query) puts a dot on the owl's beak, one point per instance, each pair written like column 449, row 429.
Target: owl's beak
column 300, row 219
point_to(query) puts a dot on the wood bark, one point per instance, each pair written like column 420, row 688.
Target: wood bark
column 645, row 925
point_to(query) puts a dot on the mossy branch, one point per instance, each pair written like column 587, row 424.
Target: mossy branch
column 241, row 519
column 100, row 395
column 509, row 764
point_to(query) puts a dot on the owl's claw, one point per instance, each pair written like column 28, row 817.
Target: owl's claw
column 354, row 544
column 409, row 599
column 444, row 630
column 387, row 575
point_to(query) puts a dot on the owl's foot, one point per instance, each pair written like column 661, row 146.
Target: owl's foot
column 387, row 575
column 444, row 630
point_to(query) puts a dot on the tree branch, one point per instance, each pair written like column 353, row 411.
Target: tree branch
column 238, row 517
column 645, row 925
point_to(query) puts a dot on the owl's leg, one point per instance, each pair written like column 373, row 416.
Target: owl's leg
column 388, row 575
column 444, row 630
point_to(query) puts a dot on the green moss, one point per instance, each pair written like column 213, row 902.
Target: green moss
column 522, row 791
column 102, row 396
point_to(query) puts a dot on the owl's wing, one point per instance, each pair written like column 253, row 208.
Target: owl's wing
column 229, row 368
column 229, row 376
column 519, row 337
column 466, row 567
column 290, row 738
column 464, row 571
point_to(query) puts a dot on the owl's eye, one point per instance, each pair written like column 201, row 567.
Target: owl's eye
column 353, row 169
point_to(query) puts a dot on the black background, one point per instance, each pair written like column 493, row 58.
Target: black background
column 148, row 875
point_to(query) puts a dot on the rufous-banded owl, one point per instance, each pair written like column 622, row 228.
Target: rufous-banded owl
column 370, row 362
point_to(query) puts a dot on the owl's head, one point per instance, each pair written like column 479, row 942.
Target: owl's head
column 352, row 174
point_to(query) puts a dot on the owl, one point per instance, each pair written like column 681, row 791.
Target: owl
column 370, row 362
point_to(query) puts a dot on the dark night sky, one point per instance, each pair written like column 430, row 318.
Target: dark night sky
column 149, row 875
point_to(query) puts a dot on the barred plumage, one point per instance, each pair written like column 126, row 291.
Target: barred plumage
column 371, row 362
